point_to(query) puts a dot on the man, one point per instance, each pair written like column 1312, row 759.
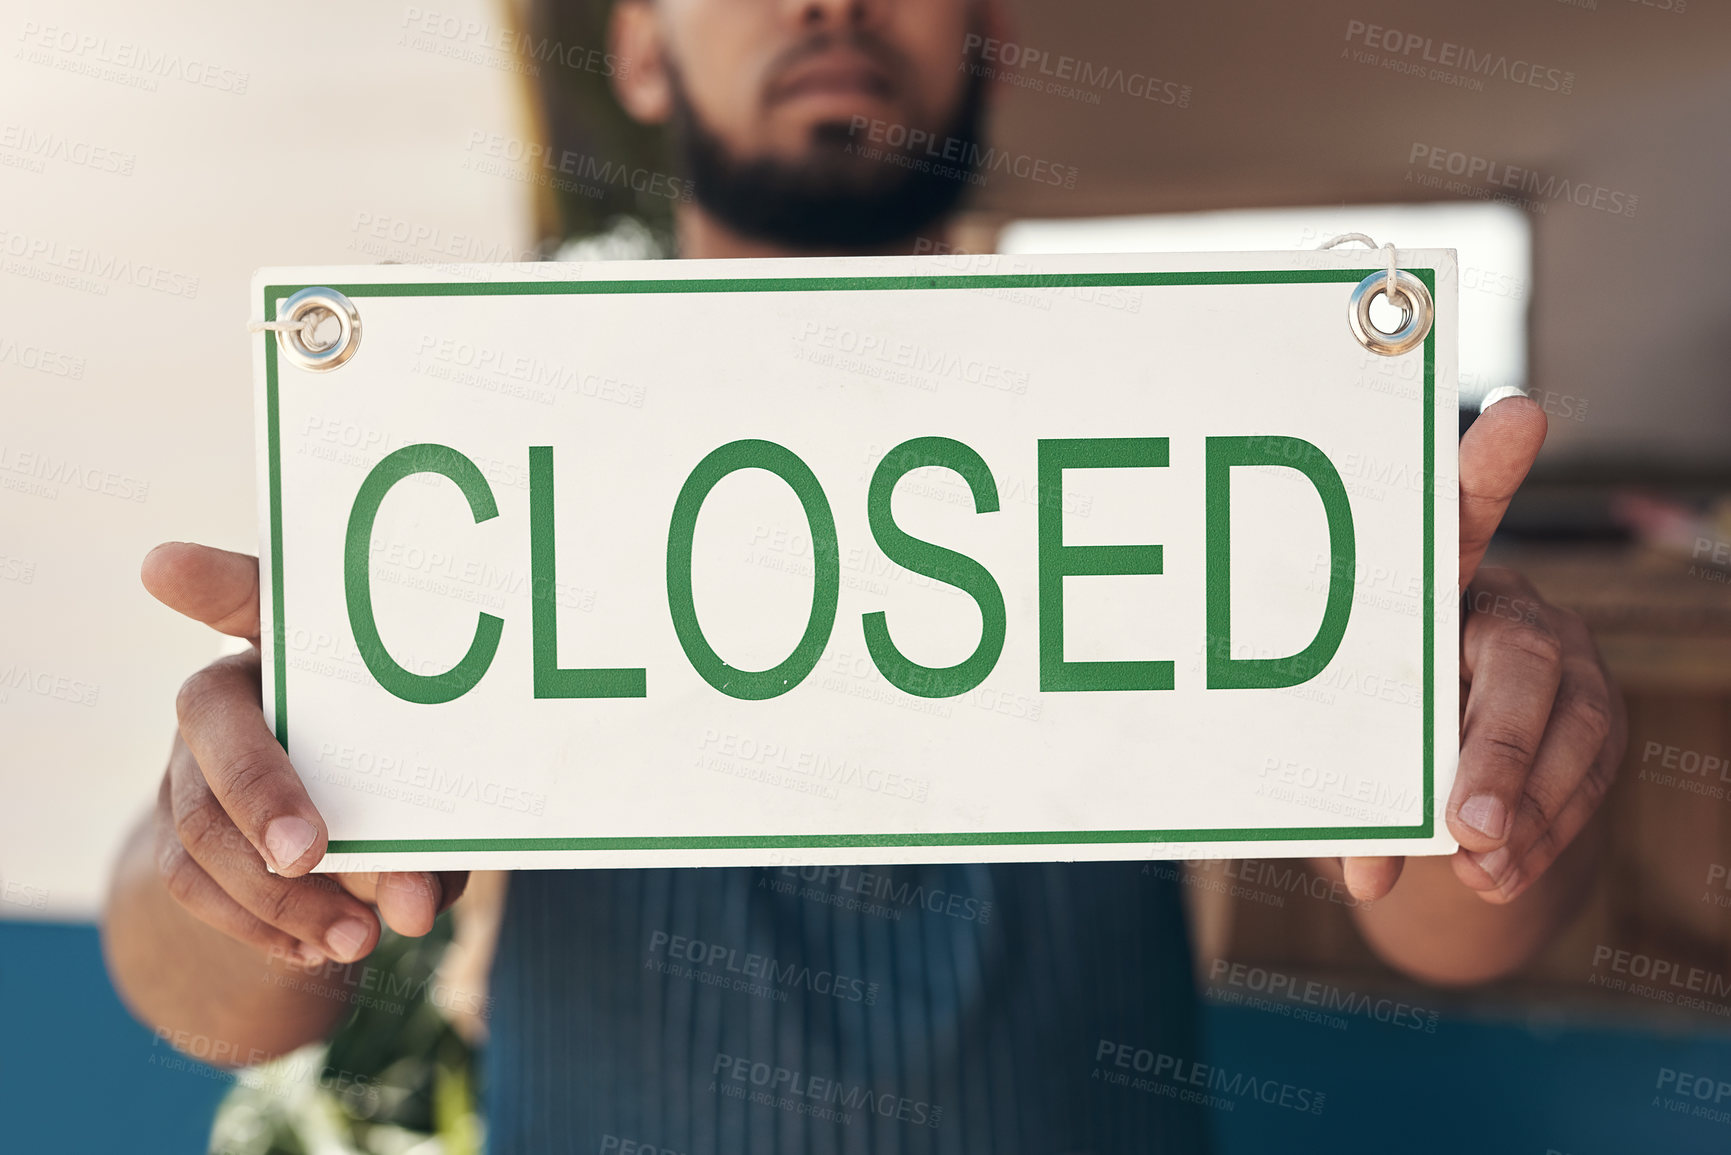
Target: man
column 969, row 1026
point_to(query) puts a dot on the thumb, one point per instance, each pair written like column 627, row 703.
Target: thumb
column 209, row 585
column 1495, row 455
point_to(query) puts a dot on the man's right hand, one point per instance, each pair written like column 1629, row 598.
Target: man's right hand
column 231, row 802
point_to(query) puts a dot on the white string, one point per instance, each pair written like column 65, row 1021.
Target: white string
column 280, row 326
column 1388, row 250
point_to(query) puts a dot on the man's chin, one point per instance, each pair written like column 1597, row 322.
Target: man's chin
column 836, row 161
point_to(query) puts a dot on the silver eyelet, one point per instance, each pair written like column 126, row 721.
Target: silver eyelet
column 312, row 305
column 1417, row 312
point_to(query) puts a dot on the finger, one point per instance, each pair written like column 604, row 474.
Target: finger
column 363, row 884
column 248, row 772
column 1511, row 882
column 1576, row 761
column 409, row 901
column 1495, row 454
column 190, row 885
column 209, row 585
column 314, row 910
column 1514, row 663
column 1371, row 878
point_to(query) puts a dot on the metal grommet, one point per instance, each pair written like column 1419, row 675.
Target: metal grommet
column 313, row 305
column 1416, row 309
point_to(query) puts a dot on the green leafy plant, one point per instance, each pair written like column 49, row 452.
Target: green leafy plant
column 396, row 1079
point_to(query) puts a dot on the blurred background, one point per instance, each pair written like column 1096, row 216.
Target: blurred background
column 152, row 156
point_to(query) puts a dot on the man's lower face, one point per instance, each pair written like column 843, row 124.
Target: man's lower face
column 843, row 189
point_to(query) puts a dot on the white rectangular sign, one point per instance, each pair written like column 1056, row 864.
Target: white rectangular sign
column 863, row 560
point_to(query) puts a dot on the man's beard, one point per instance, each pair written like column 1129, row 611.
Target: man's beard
column 834, row 198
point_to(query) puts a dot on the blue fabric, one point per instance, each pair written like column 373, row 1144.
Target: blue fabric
column 915, row 1010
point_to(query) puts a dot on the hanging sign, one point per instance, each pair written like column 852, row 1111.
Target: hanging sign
column 862, row 560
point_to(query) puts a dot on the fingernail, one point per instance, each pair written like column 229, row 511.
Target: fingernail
column 286, row 839
column 1494, row 862
column 1486, row 814
column 346, row 939
column 1500, row 393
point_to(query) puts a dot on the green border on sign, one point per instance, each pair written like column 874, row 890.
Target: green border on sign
column 274, row 293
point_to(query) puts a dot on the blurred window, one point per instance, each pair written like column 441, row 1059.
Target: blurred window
column 1494, row 242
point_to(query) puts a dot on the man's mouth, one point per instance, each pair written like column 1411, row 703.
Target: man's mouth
column 832, row 73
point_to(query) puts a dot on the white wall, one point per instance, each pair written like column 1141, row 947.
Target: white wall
column 151, row 156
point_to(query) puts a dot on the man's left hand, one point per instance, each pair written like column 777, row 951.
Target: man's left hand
column 1543, row 727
